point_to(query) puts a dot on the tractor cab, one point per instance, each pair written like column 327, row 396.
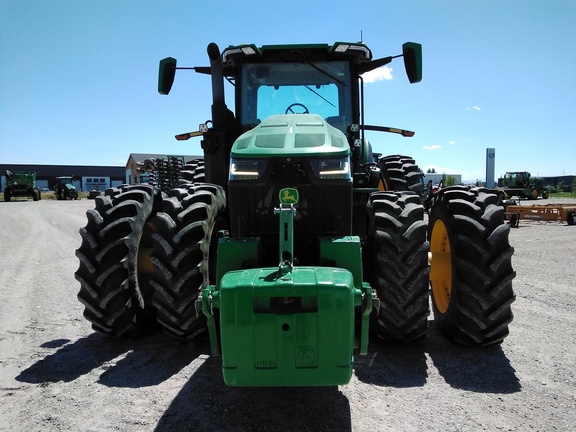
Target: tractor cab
column 515, row 179
column 65, row 189
column 314, row 79
column 320, row 79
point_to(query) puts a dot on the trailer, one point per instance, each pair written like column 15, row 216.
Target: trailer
column 548, row 212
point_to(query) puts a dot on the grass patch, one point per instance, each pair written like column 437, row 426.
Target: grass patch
column 44, row 196
column 563, row 195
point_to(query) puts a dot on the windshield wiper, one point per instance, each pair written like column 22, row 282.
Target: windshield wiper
column 319, row 95
column 329, row 75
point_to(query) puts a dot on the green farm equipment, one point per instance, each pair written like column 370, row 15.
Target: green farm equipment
column 521, row 185
column 293, row 239
column 21, row 184
column 64, row 188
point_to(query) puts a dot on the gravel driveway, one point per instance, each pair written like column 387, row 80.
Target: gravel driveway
column 58, row 375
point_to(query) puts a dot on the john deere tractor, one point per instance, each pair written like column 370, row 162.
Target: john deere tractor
column 522, row 185
column 292, row 239
column 21, row 184
column 64, row 188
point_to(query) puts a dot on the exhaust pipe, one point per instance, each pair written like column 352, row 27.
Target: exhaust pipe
column 219, row 109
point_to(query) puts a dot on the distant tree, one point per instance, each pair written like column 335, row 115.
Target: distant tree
column 450, row 181
column 574, row 186
column 431, row 171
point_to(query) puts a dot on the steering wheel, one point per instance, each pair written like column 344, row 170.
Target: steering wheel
column 289, row 110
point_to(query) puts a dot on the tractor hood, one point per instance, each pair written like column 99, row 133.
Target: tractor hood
column 291, row 135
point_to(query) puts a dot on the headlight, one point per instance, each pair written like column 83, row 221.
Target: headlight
column 246, row 169
column 330, row 169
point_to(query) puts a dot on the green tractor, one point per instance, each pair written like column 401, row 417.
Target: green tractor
column 292, row 241
column 522, row 185
column 64, row 188
column 21, row 184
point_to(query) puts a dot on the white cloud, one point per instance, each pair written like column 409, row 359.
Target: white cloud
column 432, row 147
column 451, row 142
column 380, row 74
column 475, row 108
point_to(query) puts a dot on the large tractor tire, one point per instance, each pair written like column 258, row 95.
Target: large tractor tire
column 571, row 218
column 115, row 264
column 400, row 173
column 193, row 171
column 470, row 265
column 184, row 255
column 399, row 273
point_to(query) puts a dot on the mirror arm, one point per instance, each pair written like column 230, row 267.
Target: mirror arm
column 374, row 64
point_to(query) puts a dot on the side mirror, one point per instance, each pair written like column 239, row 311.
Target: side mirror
column 412, row 53
column 166, row 74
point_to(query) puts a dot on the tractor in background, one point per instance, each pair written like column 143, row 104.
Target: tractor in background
column 21, row 184
column 292, row 240
column 64, row 188
column 521, row 185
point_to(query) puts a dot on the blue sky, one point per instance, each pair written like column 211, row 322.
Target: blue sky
column 78, row 79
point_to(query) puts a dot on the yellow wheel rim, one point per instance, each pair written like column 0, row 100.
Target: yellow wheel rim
column 145, row 249
column 440, row 266
column 382, row 185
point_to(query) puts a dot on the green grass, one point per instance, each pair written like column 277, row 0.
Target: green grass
column 44, row 196
column 563, row 195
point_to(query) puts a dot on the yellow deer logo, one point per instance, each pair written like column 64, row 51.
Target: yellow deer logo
column 289, row 196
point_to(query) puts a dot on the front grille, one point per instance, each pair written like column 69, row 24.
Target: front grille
column 325, row 209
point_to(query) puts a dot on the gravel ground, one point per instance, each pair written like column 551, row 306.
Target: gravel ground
column 56, row 374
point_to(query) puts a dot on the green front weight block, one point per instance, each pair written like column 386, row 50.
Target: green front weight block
column 290, row 330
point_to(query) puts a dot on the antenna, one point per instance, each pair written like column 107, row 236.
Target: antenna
column 361, row 37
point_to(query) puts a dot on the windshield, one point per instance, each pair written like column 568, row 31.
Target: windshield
column 296, row 88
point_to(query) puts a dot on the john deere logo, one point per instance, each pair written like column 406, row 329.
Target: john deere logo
column 289, row 196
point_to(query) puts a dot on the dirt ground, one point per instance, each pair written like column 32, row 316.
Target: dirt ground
column 56, row 374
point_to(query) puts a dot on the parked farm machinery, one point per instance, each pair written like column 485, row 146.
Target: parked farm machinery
column 293, row 239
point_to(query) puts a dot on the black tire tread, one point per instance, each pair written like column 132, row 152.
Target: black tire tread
column 181, row 254
column 402, row 174
column 400, row 269
column 114, row 299
column 193, row 171
column 479, row 309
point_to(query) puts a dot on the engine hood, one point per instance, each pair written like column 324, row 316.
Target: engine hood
column 291, row 135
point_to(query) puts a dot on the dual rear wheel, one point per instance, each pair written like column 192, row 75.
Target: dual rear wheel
column 144, row 258
column 462, row 253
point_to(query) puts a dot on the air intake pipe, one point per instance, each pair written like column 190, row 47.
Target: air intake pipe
column 220, row 113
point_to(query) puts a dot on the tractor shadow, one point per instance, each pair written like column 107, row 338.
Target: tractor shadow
column 122, row 363
column 475, row 369
column 206, row 403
